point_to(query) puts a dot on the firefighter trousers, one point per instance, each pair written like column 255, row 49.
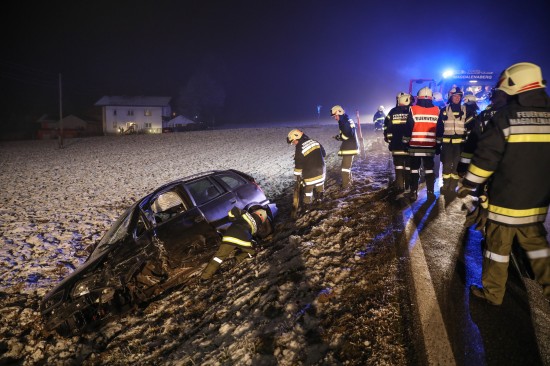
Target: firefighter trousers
column 347, row 160
column 308, row 191
column 428, row 162
column 224, row 251
column 450, row 157
column 499, row 240
column 402, row 171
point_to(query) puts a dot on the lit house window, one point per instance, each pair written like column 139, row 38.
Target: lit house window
column 148, row 125
column 148, row 113
column 130, row 112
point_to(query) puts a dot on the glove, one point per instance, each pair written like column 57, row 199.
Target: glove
column 405, row 139
column 478, row 217
column 460, row 114
column 444, row 117
column 465, row 187
column 337, row 138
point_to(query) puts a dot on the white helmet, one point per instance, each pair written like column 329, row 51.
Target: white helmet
column 403, row 99
column 425, row 93
column 437, row 96
column 469, row 98
column 381, row 108
column 337, row 111
column 295, row 134
column 520, row 78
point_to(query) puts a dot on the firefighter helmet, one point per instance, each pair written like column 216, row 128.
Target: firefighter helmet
column 381, row 108
column 455, row 91
column 261, row 213
column 520, row 78
column 425, row 93
column 337, row 110
column 438, row 96
column 403, row 99
column 295, row 134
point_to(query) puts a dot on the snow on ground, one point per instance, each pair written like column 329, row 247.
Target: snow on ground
column 327, row 288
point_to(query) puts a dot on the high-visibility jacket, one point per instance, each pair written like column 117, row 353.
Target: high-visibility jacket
column 395, row 126
column 424, row 130
column 513, row 155
column 350, row 144
column 457, row 120
column 309, row 161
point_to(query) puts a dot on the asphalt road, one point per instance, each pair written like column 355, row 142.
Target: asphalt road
column 458, row 328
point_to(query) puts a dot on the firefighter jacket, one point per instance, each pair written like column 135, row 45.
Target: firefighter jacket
column 457, row 120
column 424, row 129
column 479, row 125
column 244, row 227
column 378, row 118
column 309, row 161
column 395, row 125
column 350, row 144
column 513, row 156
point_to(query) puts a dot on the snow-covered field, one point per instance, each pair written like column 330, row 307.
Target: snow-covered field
column 311, row 296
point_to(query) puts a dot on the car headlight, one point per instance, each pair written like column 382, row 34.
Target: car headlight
column 80, row 289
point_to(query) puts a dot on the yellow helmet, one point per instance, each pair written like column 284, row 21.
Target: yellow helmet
column 520, row 78
column 337, row 110
column 295, row 134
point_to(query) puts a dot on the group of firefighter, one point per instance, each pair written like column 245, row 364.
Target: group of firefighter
column 501, row 156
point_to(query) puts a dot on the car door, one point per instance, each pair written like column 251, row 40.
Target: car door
column 184, row 231
column 213, row 200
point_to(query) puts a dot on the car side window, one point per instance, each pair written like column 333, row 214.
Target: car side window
column 232, row 181
column 203, row 190
column 167, row 205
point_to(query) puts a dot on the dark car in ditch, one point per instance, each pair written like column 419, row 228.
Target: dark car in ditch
column 158, row 243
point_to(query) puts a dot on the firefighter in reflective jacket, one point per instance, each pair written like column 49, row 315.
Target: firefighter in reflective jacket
column 238, row 237
column 514, row 157
column 423, row 136
column 394, row 130
column 350, row 144
column 309, row 164
column 457, row 120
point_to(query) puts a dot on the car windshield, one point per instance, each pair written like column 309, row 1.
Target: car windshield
column 118, row 231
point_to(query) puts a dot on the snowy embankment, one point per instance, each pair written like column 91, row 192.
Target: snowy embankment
column 326, row 289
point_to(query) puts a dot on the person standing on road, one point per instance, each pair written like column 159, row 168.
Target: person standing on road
column 457, row 121
column 423, row 136
column 394, row 130
column 239, row 237
column 350, row 144
column 309, row 164
column 513, row 156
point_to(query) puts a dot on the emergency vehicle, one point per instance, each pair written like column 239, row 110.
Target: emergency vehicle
column 476, row 82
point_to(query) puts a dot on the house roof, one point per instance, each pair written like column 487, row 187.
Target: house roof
column 140, row 101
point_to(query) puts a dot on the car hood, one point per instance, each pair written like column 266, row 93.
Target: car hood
column 91, row 264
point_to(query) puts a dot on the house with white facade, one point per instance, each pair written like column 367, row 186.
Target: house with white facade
column 125, row 114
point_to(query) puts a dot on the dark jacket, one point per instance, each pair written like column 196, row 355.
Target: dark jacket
column 350, row 145
column 309, row 161
column 395, row 126
column 513, row 155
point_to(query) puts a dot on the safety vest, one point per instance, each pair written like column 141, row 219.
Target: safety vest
column 454, row 126
column 425, row 126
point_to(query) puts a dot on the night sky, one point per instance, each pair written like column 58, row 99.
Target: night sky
column 276, row 60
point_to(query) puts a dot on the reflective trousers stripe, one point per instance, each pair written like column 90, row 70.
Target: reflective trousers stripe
column 497, row 257
column 537, row 254
column 217, row 260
